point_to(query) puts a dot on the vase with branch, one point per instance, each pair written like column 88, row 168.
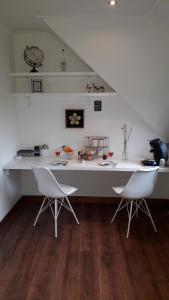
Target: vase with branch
column 126, row 135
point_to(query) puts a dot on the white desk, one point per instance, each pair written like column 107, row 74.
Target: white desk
column 26, row 163
column 89, row 177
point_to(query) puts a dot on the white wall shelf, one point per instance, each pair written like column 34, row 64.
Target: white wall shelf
column 36, row 95
column 53, row 74
column 59, row 84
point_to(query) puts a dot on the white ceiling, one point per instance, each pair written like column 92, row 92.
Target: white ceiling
column 24, row 14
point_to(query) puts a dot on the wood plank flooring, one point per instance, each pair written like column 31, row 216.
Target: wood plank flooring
column 90, row 261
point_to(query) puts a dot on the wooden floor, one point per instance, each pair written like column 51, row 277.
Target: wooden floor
column 90, row 261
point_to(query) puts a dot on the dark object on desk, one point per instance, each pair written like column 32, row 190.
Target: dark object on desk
column 104, row 156
column 149, row 162
column 59, row 163
column 159, row 150
column 25, row 152
column 37, row 150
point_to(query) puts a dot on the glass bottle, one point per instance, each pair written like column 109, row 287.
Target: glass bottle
column 63, row 61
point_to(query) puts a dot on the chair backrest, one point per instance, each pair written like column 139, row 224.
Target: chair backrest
column 47, row 183
column 141, row 184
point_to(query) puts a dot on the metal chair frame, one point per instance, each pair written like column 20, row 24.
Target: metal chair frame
column 138, row 204
column 55, row 195
column 56, row 211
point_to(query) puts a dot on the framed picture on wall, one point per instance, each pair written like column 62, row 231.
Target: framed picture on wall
column 97, row 105
column 36, row 85
column 74, row 118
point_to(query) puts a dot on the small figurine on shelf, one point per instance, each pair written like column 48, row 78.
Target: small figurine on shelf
column 89, row 88
column 94, row 88
column 102, row 89
column 97, row 89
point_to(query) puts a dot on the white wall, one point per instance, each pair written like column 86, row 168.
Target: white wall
column 9, row 185
column 51, row 45
column 43, row 122
column 131, row 54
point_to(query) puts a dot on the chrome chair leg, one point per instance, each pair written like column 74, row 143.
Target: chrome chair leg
column 112, row 220
column 130, row 218
column 137, row 207
column 50, row 201
column 150, row 216
column 60, row 206
column 71, row 208
column 56, row 215
column 40, row 210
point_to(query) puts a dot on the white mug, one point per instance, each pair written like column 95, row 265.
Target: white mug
column 162, row 162
column 44, row 152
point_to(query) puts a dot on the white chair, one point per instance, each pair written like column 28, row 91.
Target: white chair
column 54, row 193
column 140, row 185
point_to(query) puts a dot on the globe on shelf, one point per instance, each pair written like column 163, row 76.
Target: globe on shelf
column 34, row 57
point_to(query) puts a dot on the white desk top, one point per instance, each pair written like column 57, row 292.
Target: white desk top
column 26, row 163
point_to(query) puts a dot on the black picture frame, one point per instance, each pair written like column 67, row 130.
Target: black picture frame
column 36, row 85
column 74, row 118
column 97, row 105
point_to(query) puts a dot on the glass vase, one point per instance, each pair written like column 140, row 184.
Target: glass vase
column 124, row 152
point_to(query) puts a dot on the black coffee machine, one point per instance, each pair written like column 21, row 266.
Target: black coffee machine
column 159, row 150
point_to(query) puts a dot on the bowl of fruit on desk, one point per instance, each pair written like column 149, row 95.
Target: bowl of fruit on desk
column 68, row 151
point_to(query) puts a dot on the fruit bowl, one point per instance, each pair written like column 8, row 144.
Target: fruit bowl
column 69, row 155
column 68, row 151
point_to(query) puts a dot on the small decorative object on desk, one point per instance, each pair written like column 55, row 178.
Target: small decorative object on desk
column 98, row 144
column 162, row 162
column 82, row 156
column 104, row 156
column 90, row 155
column 87, row 155
column 110, row 153
column 126, row 136
column 57, row 153
column 44, row 150
column 79, row 156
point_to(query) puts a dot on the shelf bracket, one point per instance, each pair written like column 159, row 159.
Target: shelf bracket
column 28, row 100
column 6, row 172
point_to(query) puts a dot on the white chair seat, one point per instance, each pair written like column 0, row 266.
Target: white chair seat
column 118, row 189
column 68, row 190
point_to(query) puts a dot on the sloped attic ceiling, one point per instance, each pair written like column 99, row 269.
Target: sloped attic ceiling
column 129, row 53
column 24, row 15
